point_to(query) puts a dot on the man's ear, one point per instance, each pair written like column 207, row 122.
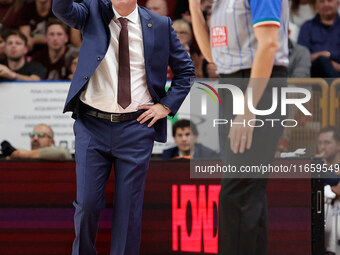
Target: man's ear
column 193, row 138
column 52, row 142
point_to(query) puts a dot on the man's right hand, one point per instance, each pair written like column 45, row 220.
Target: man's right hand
column 33, row 154
column 336, row 66
column 7, row 73
column 324, row 53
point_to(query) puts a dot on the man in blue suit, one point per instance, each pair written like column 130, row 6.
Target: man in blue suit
column 118, row 98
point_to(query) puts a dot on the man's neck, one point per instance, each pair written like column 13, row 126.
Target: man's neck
column 124, row 9
column 16, row 65
column 55, row 55
column 184, row 153
column 328, row 20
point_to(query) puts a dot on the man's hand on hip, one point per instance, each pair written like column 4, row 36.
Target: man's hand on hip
column 156, row 112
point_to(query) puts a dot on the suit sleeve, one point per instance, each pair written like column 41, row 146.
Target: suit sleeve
column 183, row 73
column 72, row 13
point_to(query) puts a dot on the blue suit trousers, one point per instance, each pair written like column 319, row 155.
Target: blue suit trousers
column 99, row 144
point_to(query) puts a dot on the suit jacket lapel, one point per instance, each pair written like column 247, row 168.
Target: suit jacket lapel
column 148, row 35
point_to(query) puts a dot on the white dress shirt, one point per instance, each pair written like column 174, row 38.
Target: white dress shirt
column 102, row 88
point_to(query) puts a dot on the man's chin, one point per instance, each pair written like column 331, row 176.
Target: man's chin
column 15, row 59
column 35, row 147
column 185, row 152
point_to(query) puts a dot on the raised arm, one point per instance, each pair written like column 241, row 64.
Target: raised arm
column 267, row 36
column 72, row 13
column 200, row 28
column 267, row 46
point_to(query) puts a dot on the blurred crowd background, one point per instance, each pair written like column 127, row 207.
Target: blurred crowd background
column 30, row 33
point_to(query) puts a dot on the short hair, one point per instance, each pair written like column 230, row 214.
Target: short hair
column 48, row 127
column 182, row 124
column 334, row 130
column 181, row 22
column 55, row 21
column 3, row 32
column 17, row 33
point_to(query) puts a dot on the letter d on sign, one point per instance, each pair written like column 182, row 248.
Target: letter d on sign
column 203, row 221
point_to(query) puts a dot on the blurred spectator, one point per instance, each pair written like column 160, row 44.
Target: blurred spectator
column 9, row 12
column 207, row 11
column 210, row 70
column 185, row 135
column 42, row 146
column 294, row 32
column 321, row 36
column 299, row 60
column 300, row 12
column 33, row 21
column 3, row 32
column 184, row 33
column 52, row 56
column 71, row 60
column 197, row 60
column 158, row 6
column 329, row 145
column 329, row 149
column 17, row 68
column 182, row 10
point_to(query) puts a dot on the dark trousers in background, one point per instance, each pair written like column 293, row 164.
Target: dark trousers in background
column 322, row 68
column 243, row 223
column 99, row 144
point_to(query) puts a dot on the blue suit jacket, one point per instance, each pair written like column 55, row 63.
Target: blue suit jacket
column 161, row 48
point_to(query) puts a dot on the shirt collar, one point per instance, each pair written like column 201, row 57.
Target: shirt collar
column 132, row 17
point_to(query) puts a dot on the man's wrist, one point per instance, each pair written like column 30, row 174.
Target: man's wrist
column 166, row 108
column 14, row 76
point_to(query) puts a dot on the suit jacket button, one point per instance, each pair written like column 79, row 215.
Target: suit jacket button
column 99, row 58
column 86, row 78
